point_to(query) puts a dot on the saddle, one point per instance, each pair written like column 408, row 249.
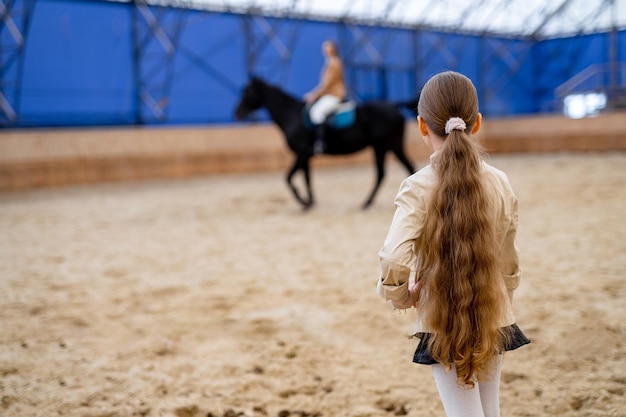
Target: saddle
column 343, row 117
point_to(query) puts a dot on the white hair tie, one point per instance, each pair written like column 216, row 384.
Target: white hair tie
column 455, row 123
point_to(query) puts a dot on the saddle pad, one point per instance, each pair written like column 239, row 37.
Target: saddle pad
column 343, row 117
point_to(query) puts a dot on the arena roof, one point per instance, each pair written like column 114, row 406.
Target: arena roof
column 525, row 18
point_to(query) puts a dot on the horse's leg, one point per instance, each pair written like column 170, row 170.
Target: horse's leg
column 399, row 152
column 301, row 163
column 290, row 184
column 397, row 147
column 307, row 180
column 380, row 174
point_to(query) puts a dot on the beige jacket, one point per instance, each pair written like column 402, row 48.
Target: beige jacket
column 400, row 254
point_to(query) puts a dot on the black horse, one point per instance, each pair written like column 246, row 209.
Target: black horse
column 377, row 124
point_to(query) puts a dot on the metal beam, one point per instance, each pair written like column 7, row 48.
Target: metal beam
column 14, row 21
column 265, row 37
column 559, row 10
column 154, row 50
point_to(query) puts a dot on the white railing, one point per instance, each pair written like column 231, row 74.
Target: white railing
column 605, row 77
column 605, row 80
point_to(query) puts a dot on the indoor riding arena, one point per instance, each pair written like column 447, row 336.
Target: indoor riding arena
column 155, row 262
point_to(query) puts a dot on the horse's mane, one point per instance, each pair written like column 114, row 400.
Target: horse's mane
column 279, row 91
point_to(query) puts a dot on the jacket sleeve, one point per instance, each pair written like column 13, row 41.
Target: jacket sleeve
column 509, row 253
column 397, row 256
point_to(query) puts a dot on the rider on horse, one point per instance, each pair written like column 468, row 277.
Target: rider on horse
column 324, row 99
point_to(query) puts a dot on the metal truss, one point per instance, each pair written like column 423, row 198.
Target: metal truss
column 14, row 21
column 500, row 63
column 269, row 43
column 603, row 76
column 531, row 18
column 156, row 39
column 272, row 30
column 156, row 33
column 365, row 76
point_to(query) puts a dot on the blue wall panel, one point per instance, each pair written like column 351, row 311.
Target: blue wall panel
column 80, row 66
column 208, row 70
column 558, row 60
column 504, row 87
column 306, row 57
column 77, row 67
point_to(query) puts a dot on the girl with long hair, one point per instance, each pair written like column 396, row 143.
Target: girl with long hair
column 450, row 253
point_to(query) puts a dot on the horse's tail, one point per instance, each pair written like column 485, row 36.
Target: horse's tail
column 409, row 104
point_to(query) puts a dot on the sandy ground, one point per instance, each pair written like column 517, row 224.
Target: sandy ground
column 219, row 297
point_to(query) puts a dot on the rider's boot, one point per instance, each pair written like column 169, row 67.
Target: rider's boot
column 319, row 145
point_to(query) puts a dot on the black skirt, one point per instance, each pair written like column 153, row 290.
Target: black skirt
column 422, row 355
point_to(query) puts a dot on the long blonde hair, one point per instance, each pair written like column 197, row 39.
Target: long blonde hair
column 460, row 271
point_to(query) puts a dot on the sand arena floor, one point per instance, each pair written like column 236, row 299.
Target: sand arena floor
column 218, row 296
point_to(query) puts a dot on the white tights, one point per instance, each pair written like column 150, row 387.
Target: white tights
column 461, row 401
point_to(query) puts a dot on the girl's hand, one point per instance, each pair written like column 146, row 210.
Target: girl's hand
column 411, row 298
column 414, row 290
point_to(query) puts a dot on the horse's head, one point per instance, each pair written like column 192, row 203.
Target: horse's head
column 251, row 98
